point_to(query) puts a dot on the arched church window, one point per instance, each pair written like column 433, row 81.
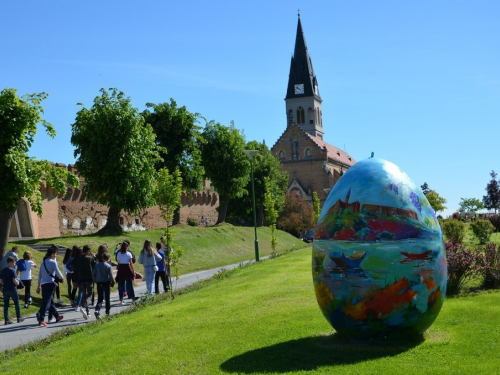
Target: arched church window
column 321, row 118
column 300, row 116
column 290, row 117
column 281, row 155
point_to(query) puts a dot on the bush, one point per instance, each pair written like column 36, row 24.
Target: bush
column 482, row 230
column 296, row 217
column 192, row 222
column 454, row 230
column 495, row 220
column 491, row 269
column 463, row 265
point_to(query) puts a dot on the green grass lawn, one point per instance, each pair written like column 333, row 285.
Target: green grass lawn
column 264, row 319
column 205, row 248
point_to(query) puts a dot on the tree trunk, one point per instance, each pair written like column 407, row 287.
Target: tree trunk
column 177, row 216
column 6, row 217
column 224, row 203
column 260, row 215
column 112, row 226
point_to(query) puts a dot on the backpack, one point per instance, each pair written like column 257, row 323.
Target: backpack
column 69, row 265
column 21, row 265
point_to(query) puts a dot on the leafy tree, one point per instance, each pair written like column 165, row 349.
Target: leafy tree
column 436, row 201
column 492, row 198
column 470, row 205
column 21, row 176
column 179, row 136
column 225, row 163
column 316, row 207
column 116, row 154
column 297, row 215
column 271, row 214
column 265, row 165
column 168, row 191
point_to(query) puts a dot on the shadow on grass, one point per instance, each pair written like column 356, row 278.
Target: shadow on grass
column 312, row 353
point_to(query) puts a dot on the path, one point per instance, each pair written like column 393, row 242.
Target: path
column 18, row 334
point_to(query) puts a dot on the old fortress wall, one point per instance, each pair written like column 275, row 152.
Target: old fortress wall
column 71, row 214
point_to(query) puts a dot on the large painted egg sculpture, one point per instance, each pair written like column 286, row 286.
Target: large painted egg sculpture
column 379, row 261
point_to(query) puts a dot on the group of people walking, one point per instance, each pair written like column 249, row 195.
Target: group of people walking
column 83, row 270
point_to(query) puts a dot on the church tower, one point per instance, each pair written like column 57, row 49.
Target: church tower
column 303, row 102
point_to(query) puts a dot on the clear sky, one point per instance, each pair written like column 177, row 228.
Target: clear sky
column 416, row 82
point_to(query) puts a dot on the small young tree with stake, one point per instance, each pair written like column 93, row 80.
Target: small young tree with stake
column 271, row 215
column 168, row 198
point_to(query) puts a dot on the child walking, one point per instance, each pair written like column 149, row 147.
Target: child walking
column 25, row 277
column 103, row 277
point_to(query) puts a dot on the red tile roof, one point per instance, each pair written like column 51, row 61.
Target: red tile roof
column 334, row 153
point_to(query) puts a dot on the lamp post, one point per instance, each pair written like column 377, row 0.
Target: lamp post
column 250, row 154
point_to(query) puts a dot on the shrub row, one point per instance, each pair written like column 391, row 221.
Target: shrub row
column 455, row 230
column 466, row 264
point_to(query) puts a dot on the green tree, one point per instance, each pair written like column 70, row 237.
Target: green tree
column 470, row 205
column 116, row 154
column 436, row 201
column 265, row 166
column 225, row 164
column 179, row 136
column 271, row 213
column 316, row 207
column 21, row 176
column 168, row 191
column 492, row 198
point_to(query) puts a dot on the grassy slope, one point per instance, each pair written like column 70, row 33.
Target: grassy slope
column 264, row 318
column 206, row 247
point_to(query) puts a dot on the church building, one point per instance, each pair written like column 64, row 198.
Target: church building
column 311, row 163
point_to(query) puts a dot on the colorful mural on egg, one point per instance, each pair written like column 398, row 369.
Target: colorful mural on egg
column 379, row 261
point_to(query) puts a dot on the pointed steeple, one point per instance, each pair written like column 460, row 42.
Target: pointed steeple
column 303, row 102
column 301, row 69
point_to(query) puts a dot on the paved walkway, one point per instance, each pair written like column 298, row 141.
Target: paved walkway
column 18, row 334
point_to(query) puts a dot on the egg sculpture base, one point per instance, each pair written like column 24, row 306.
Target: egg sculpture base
column 379, row 262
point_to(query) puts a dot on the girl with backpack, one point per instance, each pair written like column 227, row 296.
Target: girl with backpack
column 148, row 258
column 24, row 266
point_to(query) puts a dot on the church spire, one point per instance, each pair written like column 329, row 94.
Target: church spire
column 301, row 80
column 303, row 102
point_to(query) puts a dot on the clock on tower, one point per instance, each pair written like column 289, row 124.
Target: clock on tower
column 299, row 88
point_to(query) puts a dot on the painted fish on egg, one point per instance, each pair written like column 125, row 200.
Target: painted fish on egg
column 379, row 261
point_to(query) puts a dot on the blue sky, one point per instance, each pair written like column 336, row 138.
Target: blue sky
column 418, row 83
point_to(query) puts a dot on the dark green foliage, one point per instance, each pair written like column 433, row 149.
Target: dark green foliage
column 491, row 270
column 192, row 222
column 482, row 230
column 265, row 166
column 495, row 220
column 179, row 136
column 463, row 265
column 21, row 175
column 227, row 167
column 116, row 154
column 492, row 198
column 454, row 230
